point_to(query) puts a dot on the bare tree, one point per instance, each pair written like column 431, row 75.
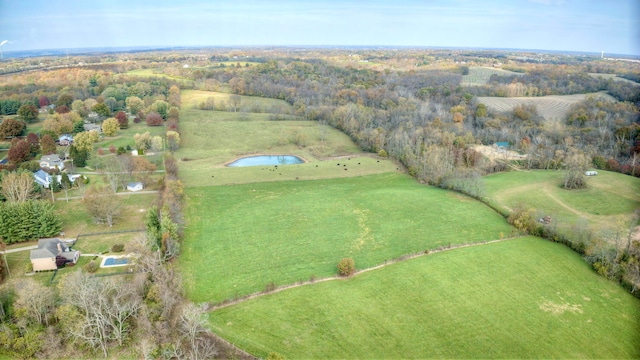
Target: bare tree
column 102, row 203
column 17, row 186
column 576, row 163
column 193, row 326
column 35, row 302
column 105, row 307
column 115, row 172
column 235, row 101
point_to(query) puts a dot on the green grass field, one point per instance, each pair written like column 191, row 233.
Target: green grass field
column 211, row 139
column 525, row 298
column 154, row 73
column 240, row 238
column 191, row 99
column 609, row 200
column 251, row 227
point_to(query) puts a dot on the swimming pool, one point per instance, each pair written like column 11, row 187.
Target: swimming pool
column 112, row 261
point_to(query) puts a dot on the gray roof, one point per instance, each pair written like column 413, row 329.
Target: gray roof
column 48, row 248
column 50, row 158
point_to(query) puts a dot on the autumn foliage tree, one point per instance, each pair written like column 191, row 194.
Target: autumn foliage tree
column 47, row 144
column 65, row 99
column 59, row 123
column 123, row 119
column 101, row 109
column 110, row 127
column 19, row 151
column 34, row 142
column 346, row 267
column 43, row 101
column 28, row 113
column 11, row 127
column 154, row 119
column 174, row 96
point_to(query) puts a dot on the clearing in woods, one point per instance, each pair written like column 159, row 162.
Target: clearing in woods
column 552, row 107
column 614, row 77
column 480, row 75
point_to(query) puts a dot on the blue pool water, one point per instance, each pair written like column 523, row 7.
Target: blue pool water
column 267, row 160
column 115, row 261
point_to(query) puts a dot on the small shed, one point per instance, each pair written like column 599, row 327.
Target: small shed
column 135, row 186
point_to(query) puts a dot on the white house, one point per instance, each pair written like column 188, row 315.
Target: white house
column 65, row 139
column 591, row 173
column 51, row 161
column 135, row 186
column 44, row 179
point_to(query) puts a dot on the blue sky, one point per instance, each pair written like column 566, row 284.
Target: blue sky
column 612, row 26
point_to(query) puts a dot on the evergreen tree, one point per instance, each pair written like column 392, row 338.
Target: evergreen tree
column 28, row 220
column 79, row 156
column 54, row 185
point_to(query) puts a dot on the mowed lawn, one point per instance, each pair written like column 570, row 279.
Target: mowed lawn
column 75, row 219
column 525, row 298
column 609, row 200
column 240, row 238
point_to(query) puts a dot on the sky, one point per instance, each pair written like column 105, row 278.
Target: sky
column 612, row 26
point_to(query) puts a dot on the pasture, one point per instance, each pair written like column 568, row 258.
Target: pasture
column 155, row 73
column 552, row 107
column 241, row 238
column 192, row 98
column 211, row 139
column 607, row 203
column 523, row 298
column 479, row 75
column 254, row 228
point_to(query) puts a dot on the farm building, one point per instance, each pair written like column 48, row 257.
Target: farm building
column 51, row 161
column 52, row 253
column 135, row 186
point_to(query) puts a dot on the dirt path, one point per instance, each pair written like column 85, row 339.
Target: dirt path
column 561, row 203
column 214, row 307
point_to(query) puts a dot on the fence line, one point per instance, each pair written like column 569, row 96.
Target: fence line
column 443, row 248
column 106, row 233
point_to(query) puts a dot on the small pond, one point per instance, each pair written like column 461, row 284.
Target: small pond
column 267, row 160
column 114, row 261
